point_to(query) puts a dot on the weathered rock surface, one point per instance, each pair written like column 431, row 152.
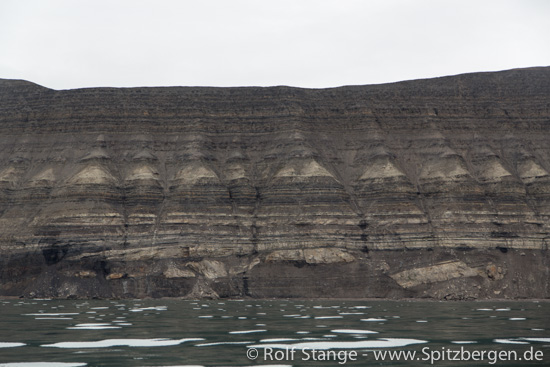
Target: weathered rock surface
column 430, row 188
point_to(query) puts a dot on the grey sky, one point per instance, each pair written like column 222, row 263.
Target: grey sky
column 307, row 43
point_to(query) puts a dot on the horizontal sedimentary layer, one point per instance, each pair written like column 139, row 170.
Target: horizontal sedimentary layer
column 124, row 175
column 298, row 273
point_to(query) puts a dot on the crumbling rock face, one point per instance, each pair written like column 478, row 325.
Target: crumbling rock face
column 431, row 188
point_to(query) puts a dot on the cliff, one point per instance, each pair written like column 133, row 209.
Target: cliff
column 430, row 188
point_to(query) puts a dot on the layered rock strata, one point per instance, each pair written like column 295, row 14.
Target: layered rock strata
column 430, row 188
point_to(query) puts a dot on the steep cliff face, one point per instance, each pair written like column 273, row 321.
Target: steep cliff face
column 430, row 188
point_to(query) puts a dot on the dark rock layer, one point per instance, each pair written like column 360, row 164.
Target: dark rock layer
column 430, row 188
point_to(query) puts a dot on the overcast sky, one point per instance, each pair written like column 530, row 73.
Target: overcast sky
column 65, row 44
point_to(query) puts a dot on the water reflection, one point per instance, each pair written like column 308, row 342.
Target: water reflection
column 217, row 333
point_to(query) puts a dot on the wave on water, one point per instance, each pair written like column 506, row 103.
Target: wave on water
column 52, row 314
column 221, row 343
column 11, row 345
column 353, row 331
column 380, row 343
column 108, row 343
column 278, row 340
column 93, row 326
column 328, row 317
column 43, row 364
column 509, row 341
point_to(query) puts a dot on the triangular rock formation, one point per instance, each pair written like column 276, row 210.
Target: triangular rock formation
column 92, row 175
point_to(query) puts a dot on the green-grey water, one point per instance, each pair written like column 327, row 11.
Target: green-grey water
column 68, row 333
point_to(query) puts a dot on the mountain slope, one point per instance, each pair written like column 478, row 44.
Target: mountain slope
column 427, row 188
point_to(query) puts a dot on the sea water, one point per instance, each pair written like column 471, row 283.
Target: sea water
column 67, row 333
